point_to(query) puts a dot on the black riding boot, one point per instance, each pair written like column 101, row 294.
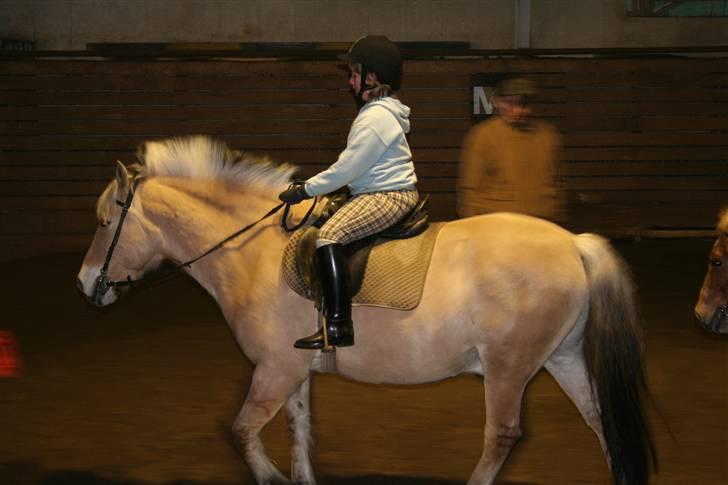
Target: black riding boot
column 335, row 286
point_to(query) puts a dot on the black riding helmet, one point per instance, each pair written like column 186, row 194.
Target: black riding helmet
column 377, row 54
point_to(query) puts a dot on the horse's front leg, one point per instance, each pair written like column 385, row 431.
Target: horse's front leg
column 298, row 409
column 269, row 389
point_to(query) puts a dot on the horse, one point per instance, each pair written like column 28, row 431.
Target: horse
column 711, row 309
column 505, row 296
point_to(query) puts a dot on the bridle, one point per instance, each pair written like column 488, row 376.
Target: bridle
column 720, row 314
column 103, row 284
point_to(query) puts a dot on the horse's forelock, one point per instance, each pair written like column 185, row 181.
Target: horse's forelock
column 104, row 203
column 107, row 200
column 723, row 222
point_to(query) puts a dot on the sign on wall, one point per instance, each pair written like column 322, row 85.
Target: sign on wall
column 482, row 88
column 17, row 45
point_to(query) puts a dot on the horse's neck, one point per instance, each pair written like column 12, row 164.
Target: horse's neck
column 191, row 223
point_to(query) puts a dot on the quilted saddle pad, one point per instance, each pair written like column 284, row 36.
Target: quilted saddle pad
column 393, row 276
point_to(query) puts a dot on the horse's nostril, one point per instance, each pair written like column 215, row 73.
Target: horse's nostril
column 700, row 317
column 79, row 285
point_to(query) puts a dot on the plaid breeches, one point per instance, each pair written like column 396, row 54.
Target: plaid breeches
column 367, row 214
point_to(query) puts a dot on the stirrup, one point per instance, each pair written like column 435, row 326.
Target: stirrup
column 316, row 341
column 343, row 336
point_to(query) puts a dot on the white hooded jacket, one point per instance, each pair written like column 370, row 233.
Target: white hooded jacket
column 377, row 157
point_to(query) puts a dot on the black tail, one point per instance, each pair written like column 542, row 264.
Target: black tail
column 613, row 352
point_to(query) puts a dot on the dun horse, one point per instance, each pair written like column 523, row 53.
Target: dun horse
column 505, row 296
column 712, row 307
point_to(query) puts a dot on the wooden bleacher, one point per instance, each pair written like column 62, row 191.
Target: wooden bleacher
column 646, row 137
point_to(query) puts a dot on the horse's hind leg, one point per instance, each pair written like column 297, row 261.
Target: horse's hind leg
column 567, row 366
column 268, row 391
column 298, row 409
column 503, row 395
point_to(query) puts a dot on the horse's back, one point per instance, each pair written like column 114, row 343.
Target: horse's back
column 512, row 242
column 520, row 274
column 500, row 226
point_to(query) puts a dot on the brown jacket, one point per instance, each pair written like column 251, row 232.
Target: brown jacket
column 506, row 169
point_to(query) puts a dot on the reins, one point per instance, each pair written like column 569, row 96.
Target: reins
column 103, row 284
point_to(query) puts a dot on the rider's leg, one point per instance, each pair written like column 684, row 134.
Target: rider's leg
column 335, row 286
column 361, row 216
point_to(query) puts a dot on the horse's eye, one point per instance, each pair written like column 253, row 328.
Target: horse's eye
column 103, row 223
column 716, row 262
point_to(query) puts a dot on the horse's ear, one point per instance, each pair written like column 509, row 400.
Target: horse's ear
column 122, row 176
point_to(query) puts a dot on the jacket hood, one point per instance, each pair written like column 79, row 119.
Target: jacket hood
column 400, row 111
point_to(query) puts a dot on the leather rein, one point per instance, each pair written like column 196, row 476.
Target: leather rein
column 103, row 284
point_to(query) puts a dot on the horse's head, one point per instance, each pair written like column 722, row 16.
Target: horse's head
column 122, row 248
column 712, row 307
column 135, row 208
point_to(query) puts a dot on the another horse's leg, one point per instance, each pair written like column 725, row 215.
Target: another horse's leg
column 298, row 409
column 568, row 368
column 268, row 391
column 503, row 395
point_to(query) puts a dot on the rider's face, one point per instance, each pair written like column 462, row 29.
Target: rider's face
column 355, row 80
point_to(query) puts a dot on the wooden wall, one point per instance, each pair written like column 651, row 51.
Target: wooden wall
column 646, row 139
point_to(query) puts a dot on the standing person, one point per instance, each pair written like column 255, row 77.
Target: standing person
column 510, row 162
column 378, row 169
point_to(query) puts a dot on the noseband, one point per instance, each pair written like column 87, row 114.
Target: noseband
column 720, row 314
column 103, row 284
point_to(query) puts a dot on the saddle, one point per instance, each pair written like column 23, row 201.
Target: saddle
column 387, row 269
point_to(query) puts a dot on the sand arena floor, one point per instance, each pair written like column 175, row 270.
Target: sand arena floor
column 145, row 393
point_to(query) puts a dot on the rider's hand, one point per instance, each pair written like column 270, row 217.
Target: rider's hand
column 294, row 194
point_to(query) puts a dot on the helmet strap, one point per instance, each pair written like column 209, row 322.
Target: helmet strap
column 363, row 87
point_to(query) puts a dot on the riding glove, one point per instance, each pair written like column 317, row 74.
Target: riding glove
column 294, row 194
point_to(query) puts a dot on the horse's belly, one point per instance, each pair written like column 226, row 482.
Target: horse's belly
column 405, row 366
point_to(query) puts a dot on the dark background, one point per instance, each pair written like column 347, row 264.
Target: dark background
column 644, row 131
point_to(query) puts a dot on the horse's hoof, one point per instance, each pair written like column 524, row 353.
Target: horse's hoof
column 277, row 480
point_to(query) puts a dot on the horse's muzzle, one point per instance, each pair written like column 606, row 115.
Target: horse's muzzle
column 94, row 298
column 718, row 322
column 101, row 287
